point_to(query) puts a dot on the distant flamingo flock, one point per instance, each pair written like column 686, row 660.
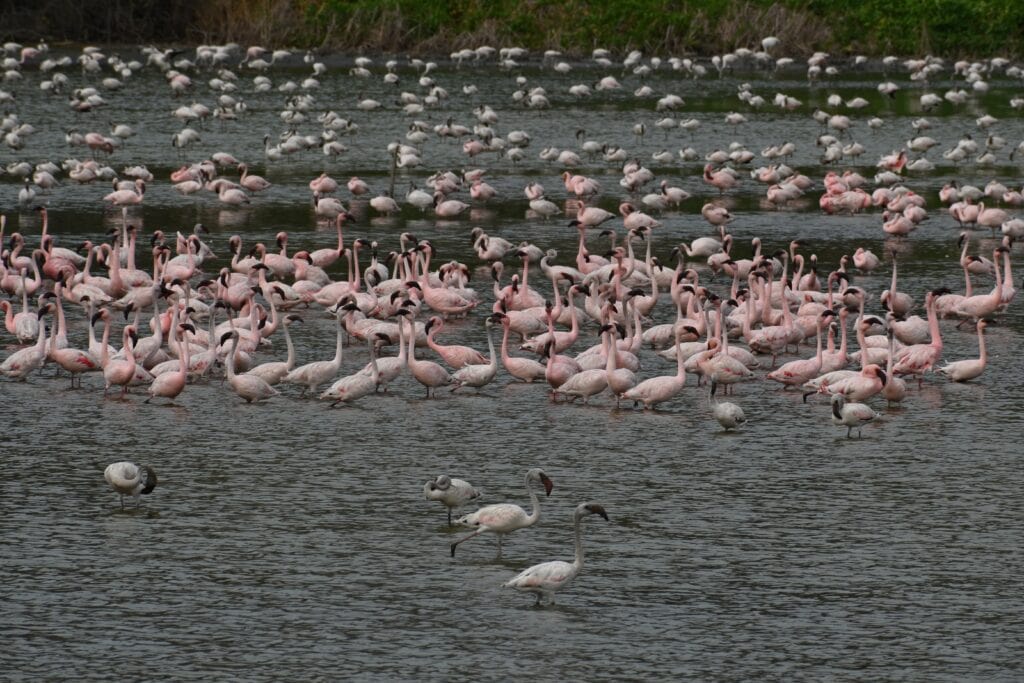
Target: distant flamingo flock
column 631, row 320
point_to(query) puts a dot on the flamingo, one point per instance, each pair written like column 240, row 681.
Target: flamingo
column 274, row 371
column 728, row 414
column 428, row 373
column 170, row 384
column 525, row 369
column 253, row 183
column 22, row 362
column 723, row 179
column 504, row 518
column 455, row 355
column 796, row 372
column 312, row 374
column 75, row 361
column 658, row 389
column 587, row 383
column 249, row 387
column 478, row 374
column 850, row 415
column 920, row 358
column 119, row 370
column 359, row 384
column 966, row 370
column 546, row 578
column 128, row 197
column 451, row 492
column 129, row 479
column 715, row 215
column 897, row 302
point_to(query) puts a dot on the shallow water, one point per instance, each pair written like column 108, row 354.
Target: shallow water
column 287, row 540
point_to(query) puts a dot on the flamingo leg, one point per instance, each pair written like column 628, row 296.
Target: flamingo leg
column 466, row 538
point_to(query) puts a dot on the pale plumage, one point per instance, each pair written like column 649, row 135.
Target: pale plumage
column 505, row 518
column 546, row 578
column 850, row 415
column 129, row 479
column 452, row 493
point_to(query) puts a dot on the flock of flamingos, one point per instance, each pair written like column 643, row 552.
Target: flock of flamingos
column 585, row 332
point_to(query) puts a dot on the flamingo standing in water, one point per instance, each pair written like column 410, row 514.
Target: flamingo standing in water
column 249, row 387
column 170, row 384
column 966, row 370
column 129, row 479
column 312, row 374
column 504, row 518
column 452, row 493
column 426, row 372
column 477, row 375
column 119, row 370
column 455, row 355
column 525, row 369
column 723, row 179
column 727, row 413
column 546, row 578
column 850, row 415
column 253, row 183
column 657, row 389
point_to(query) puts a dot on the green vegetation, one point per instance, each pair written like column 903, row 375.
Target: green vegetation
column 951, row 28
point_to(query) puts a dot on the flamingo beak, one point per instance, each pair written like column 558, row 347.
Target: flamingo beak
column 598, row 510
column 548, row 485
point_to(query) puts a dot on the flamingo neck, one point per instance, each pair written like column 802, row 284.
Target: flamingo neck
column 578, row 536
column 933, row 325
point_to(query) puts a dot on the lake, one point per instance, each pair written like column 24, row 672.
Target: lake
column 288, row 540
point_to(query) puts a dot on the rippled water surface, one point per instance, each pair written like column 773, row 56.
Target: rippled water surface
column 287, row 540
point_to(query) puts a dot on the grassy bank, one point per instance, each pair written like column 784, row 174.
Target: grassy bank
column 952, row 28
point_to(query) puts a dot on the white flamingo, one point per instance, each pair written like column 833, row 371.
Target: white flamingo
column 966, row 370
column 504, row 518
column 546, row 578
column 452, row 493
column 728, row 414
column 129, row 479
column 850, row 415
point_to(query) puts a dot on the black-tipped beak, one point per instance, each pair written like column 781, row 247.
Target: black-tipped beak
column 548, row 485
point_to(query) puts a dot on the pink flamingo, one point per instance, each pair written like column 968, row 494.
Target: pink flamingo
column 128, row 197
column 428, row 373
column 588, row 383
column 715, row 215
column 659, row 389
column 796, row 372
column 171, row 384
column 253, row 183
column 324, row 184
column 525, row 369
column 983, row 305
column 455, row 355
column 22, row 362
column 119, row 371
column 451, row 492
column 722, row 179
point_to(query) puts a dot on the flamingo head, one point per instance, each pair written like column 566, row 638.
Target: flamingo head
column 537, row 475
column 592, row 509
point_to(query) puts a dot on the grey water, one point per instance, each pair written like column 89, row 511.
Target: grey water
column 290, row 541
